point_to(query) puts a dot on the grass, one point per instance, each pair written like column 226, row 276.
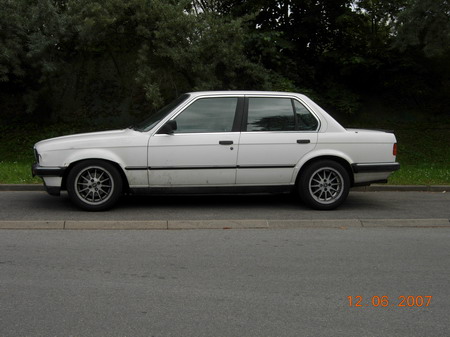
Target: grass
column 16, row 149
column 421, row 174
column 17, row 173
column 424, row 152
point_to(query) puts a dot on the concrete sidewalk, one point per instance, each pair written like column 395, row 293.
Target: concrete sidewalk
column 224, row 224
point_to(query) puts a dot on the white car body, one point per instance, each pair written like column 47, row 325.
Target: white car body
column 155, row 161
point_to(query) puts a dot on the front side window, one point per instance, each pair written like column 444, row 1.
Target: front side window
column 279, row 114
column 208, row 115
column 150, row 122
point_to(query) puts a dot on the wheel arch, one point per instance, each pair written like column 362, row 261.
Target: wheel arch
column 342, row 161
column 115, row 164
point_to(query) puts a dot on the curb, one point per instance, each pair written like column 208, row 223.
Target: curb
column 225, row 224
column 403, row 188
column 371, row 188
column 21, row 187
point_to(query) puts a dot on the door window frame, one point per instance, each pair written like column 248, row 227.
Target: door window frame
column 237, row 121
column 291, row 98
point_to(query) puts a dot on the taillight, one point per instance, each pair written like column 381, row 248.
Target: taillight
column 394, row 150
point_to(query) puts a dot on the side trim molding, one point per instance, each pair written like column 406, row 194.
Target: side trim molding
column 213, row 190
column 264, row 166
column 161, row 168
column 136, row 168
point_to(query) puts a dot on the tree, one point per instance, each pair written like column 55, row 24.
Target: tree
column 109, row 59
column 425, row 23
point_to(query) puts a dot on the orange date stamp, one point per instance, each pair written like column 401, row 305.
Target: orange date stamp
column 386, row 301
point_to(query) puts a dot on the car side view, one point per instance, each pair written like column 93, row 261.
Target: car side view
column 220, row 142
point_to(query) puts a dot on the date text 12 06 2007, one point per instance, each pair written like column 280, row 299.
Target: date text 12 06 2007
column 386, row 301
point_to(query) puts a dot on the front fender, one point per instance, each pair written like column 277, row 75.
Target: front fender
column 93, row 154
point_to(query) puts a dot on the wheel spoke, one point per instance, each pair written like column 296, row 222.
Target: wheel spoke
column 332, row 176
column 329, row 195
column 87, row 196
column 322, row 177
column 333, row 179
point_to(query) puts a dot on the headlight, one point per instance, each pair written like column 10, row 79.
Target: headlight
column 36, row 155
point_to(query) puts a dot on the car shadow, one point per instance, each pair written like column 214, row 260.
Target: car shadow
column 213, row 201
column 233, row 205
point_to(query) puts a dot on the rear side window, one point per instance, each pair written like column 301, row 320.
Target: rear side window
column 305, row 120
column 270, row 114
column 278, row 114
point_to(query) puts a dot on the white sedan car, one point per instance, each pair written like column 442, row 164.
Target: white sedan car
column 220, row 142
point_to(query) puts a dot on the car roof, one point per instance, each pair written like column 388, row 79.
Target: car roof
column 243, row 92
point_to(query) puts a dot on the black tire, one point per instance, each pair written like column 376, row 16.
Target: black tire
column 324, row 185
column 94, row 185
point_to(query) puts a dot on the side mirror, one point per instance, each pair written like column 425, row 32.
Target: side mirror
column 168, row 128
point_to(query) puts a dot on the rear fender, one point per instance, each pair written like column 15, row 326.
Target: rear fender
column 322, row 154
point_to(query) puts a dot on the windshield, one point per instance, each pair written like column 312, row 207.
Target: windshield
column 150, row 122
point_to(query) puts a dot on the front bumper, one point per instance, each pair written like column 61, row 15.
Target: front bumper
column 47, row 171
column 52, row 177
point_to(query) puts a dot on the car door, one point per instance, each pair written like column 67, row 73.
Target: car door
column 203, row 149
column 276, row 133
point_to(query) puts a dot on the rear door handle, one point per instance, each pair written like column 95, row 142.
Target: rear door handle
column 225, row 142
column 303, row 141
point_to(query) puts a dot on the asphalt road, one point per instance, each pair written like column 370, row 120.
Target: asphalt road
column 290, row 282
column 39, row 206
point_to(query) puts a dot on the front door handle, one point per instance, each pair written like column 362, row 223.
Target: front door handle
column 303, row 141
column 225, row 142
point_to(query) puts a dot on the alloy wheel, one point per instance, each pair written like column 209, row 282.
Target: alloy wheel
column 326, row 185
column 94, row 185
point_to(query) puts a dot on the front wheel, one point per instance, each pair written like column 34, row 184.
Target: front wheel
column 324, row 185
column 94, row 185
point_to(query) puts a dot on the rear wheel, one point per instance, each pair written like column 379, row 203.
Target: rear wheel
column 94, row 185
column 324, row 185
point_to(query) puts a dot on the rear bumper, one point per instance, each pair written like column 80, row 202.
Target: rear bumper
column 372, row 168
column 366, row 174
